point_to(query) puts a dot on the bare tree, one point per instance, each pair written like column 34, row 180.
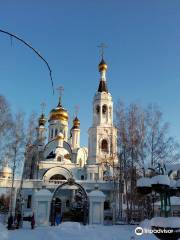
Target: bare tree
column 6, row 123
column 159, row 145
column 31, row 134
column 16, row 149
column 143, row 141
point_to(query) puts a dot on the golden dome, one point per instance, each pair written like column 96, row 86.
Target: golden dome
column 102, row 66
column 59, row 113
column 42, row 120
column 76, row 122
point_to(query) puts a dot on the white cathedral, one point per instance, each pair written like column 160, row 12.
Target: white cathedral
column 64, row 168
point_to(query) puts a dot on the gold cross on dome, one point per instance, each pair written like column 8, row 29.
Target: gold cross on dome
column 102, row 46
column 43, row 105
column 76, row 110
column 60, row 90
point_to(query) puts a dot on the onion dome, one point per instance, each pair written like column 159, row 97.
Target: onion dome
column 59, row 113
column 76, row 123
column 102, row 66
column 42, row 120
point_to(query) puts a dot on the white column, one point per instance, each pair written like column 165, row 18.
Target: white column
column 96, row 208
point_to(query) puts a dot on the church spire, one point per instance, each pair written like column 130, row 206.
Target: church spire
column 102, row 69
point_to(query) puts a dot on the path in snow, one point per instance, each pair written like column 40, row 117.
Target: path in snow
column 75, row 231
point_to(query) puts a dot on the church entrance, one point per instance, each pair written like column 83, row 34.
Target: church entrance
column 70, row 203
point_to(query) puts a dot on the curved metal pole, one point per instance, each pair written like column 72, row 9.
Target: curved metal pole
column 34, row 50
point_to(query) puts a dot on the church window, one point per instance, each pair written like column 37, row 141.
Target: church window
column 67, row 203
column 110, row 111
column 97, row 109
column 106, row 205
column 104, row 109
column 51, row 133
column 56, row 132
column 57, row 177
column 29, row 201
column 96, row 176
column 104, row 145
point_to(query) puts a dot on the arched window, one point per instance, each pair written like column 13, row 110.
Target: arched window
column 104, row 109
column 106, row 205
column 51, row 133
column 104, row 145
column 110, row 111
column 56, row 132
column 97, row 109
column 57, row 177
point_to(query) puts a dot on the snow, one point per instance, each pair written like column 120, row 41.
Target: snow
column 76, row 231
column 96, row 193
column 172, row 183
column 160, row 179
column 43, row 192
column 144, row 182
column 145, row 224
column 3, row 232
column 172, row 222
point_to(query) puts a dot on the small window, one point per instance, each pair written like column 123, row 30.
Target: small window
column 97, row 109
column 56, row 132
column 29, row 201
column 104, row 145
column 91, row 176
column 106, row 205
column 96, row 176
column 104, row 109
column 67, row 203
column 51, row 133
column 82, row 177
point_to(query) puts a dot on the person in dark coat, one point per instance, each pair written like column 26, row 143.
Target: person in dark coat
column 10, row 222
column 18, row 220
column 32, row 221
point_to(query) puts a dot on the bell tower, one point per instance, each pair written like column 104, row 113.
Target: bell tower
column 102, row 142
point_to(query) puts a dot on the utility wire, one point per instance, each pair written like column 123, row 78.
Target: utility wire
column 34, row 50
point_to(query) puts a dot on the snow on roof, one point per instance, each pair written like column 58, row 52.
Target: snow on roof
column 144, row 182
column 43, row 192
column 96, row 193
column 172, row 222
column 160, row 179
column 172, row 183
column 175, row 201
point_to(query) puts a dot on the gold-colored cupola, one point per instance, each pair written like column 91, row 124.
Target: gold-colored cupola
column 102, row 66
column 42, row 120
column 59, row 113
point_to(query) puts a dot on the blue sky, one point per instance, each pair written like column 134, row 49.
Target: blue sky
column 143, row 54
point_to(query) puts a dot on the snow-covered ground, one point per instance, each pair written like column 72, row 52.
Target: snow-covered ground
column 75, row 231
